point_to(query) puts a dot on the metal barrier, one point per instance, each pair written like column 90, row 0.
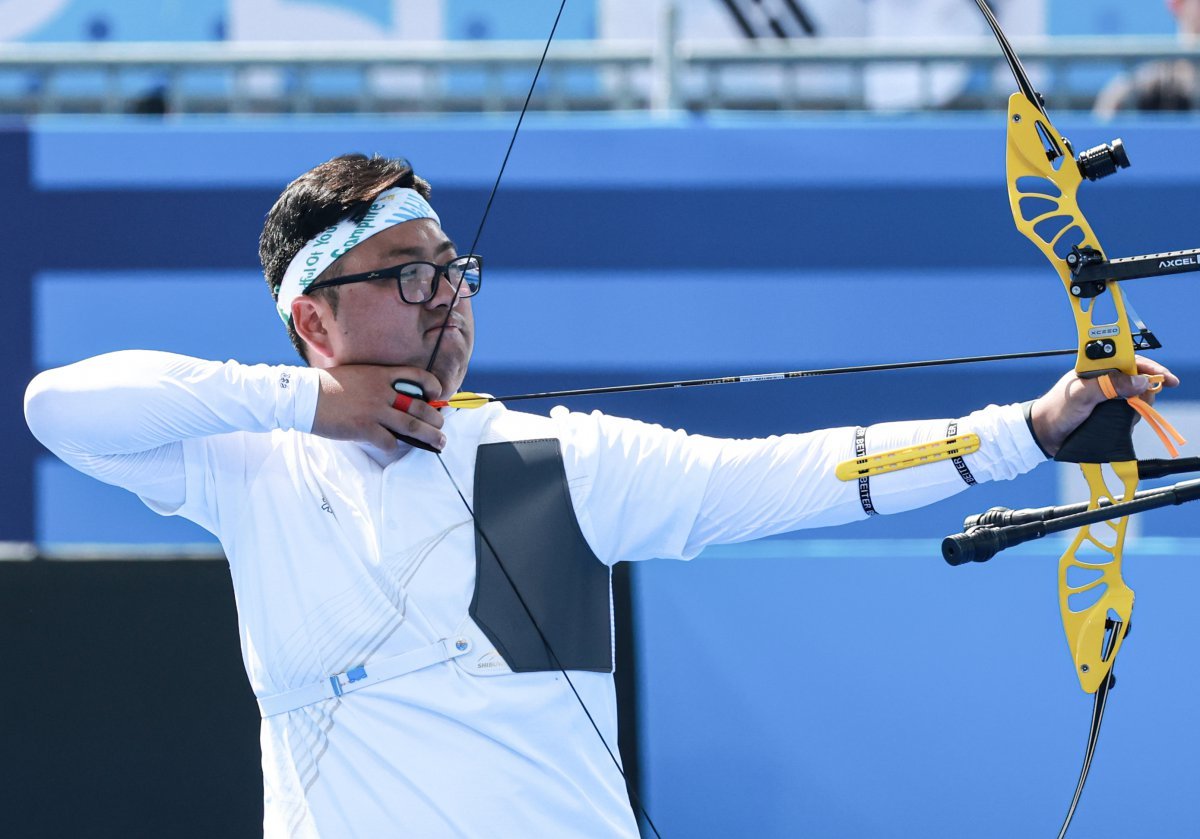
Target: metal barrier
column 445, row 76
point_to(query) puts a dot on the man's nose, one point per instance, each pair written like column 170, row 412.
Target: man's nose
column 444, row 291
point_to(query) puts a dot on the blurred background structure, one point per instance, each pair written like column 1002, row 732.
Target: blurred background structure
column 438, row 56
column 704, row 188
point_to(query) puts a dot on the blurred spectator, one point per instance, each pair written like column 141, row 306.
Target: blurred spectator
column 153, row 102
column 1169, row 85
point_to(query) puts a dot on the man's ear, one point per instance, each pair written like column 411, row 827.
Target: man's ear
column 313, row 319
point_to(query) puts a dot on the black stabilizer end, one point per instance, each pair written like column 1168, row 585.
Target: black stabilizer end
column 979, row 544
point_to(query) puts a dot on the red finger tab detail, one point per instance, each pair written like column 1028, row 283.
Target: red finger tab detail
column 402, row 402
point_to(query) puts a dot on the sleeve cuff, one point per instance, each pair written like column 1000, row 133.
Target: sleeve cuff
column 1027, row 409
column 296, row 397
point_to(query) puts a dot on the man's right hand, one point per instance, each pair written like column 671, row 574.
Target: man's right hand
column 355, row 403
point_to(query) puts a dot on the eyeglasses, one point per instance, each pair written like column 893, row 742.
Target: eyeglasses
column 418, row 281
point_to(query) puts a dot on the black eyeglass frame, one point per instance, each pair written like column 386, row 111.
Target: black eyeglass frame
column 392, row 272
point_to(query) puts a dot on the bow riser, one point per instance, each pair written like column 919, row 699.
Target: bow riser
column 1043, row 183
column 1042, row 196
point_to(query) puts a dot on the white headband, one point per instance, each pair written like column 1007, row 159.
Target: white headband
column 391, row 207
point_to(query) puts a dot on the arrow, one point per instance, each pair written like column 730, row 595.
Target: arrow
column 468, row 399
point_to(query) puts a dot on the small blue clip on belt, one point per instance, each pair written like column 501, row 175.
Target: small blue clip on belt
column 356, row 674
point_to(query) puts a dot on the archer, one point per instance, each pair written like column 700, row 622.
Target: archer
column 411, row 611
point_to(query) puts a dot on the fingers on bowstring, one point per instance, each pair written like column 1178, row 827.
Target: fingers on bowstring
column 415, row 411
column 413, row 418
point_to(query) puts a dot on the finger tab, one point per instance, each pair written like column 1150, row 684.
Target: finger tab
column 409, row 387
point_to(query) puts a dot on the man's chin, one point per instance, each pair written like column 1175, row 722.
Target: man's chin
column 451, row 379
column 450, row 369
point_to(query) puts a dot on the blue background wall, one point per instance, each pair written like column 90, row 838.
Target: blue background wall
column 783, row 683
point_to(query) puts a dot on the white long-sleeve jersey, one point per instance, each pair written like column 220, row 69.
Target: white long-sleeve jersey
column 341, row 555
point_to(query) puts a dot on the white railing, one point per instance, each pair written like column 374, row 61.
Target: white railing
column 384, row 77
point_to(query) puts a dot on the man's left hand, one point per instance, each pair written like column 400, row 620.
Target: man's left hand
column 1066, row 405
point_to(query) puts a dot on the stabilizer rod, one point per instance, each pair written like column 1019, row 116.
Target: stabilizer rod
column 1147, row 470
column 982, row 542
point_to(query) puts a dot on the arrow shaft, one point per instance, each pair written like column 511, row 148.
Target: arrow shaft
column 770, row 377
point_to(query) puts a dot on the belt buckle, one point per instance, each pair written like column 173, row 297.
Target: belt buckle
column 354, row 674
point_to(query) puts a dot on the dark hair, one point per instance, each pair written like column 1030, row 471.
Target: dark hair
column 321, row 197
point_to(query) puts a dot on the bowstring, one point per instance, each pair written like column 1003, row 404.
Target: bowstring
column 462, row 497
column 549, row 649
column 496, row 185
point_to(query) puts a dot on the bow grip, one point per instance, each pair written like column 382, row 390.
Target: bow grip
column 1104, row 437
